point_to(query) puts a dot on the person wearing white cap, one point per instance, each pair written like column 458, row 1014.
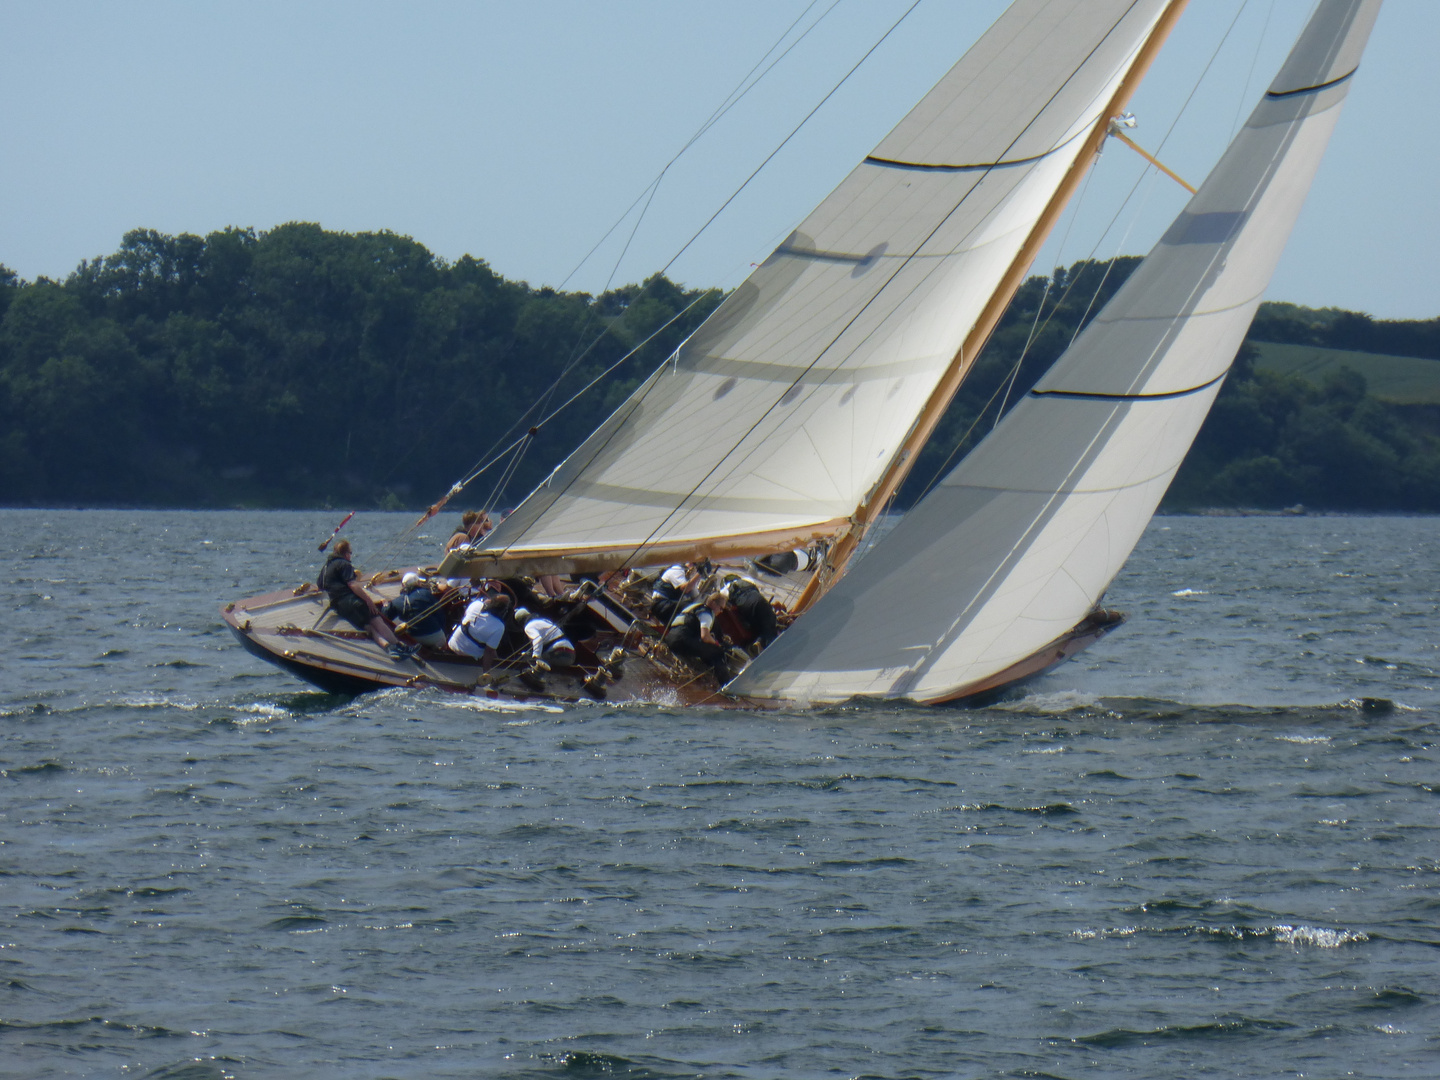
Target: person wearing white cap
column 548, row 644
column 416, row 612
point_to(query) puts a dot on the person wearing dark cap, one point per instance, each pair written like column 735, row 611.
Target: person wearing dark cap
column 352, row 603
column 755, row 612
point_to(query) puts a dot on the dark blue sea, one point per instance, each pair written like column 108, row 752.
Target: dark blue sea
column 1207, row 847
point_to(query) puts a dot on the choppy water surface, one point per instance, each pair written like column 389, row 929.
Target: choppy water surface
column 1206, row 848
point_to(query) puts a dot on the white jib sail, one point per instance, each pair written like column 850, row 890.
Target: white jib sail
column 782, row 410
column 1019, row 542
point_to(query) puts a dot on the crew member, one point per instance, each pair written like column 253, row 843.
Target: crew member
column 352, row 603
column 473, row 526
column 549, row 647
column 693, row 637
column 481, row 629
column 416, row 609
column 754, row 611
column 787, row 562
column 671, row 588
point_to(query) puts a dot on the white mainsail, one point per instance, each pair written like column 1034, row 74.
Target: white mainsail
column 774, row 419
column 1020, row 541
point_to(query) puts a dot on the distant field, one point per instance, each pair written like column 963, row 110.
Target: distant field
column 1406, row 380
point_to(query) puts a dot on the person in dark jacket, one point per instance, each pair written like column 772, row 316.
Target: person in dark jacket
column 670, row 590
column 692, row 637
column 417, row 610
column 754, row 611
column 353, row 604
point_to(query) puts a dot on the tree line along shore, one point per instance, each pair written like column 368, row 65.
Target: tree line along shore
column 301, row 367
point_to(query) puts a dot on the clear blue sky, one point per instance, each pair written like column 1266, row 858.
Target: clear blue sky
column 520, row 132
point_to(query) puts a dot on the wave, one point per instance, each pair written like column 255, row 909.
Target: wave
column 1281, row 933
column 1119, row 1038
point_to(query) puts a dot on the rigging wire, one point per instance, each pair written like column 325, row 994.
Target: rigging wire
column 1040, row 307
column 747, row 83
column 496, row 453
column 833, row 90
column 731, row 100
column 784, row 142
column 1254, row 59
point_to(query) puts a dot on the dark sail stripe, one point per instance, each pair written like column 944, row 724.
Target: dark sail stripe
column 1273, row 96
column 1129, row 397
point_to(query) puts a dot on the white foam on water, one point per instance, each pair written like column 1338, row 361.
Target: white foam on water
column 1320, row 937
column 263, row 708
column 1061, row 701
column 497, row 705
column 156, row 701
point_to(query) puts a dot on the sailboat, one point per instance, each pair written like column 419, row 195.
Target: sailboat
column 789, row 419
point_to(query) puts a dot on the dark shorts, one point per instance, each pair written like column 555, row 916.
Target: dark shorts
column 352, row 609
column 559, row 655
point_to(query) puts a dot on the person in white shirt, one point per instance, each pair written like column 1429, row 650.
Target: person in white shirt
column 548, row 644
column 481, row 629
column 671, row 588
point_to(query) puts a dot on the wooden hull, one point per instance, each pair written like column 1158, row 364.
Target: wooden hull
column 1090, row 630
column 295, row 630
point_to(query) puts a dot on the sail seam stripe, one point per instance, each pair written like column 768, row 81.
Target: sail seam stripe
column 1129, row 397
column 1273, row 96
column 890, row 163
column 925, row 166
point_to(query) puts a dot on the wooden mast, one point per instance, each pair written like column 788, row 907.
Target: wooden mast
column 929, row 416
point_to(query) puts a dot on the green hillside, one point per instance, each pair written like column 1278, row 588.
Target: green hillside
column 1403, row 380
column 303, row 367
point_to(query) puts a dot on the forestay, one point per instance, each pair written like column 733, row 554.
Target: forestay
column 771, row 422
column 1020, row 541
